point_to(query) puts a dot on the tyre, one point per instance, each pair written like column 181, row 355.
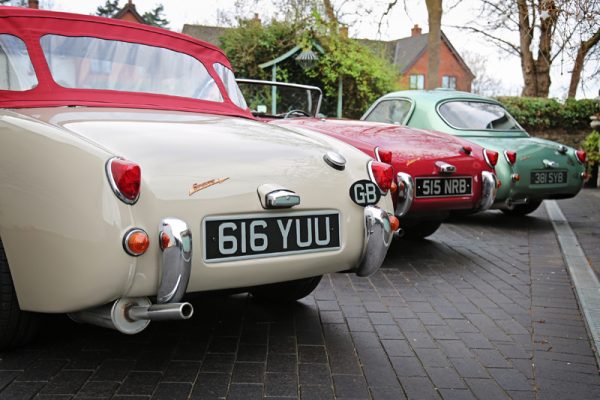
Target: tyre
column 16, row 327
column 523, row 209
column 421, row 230
column 286, row 291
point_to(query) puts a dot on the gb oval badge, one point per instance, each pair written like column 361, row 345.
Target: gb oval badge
column 364, row 193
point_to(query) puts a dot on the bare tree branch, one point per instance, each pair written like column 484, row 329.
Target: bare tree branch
column 509, row 47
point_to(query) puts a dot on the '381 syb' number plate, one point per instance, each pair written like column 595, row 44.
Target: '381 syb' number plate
column 266, row 235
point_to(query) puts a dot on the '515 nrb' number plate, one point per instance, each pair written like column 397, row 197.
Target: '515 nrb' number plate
column 266, row 235
column 444, row 187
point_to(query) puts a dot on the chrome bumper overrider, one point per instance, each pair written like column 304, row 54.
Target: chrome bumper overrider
column 132, row 315
column 488, row 190
column 176, row 261
column 378, row 236
column 405, row 194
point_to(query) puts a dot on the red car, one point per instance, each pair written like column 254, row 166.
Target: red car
column 436, row 172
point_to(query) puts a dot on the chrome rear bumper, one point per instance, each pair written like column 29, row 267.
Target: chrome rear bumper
column 176, row 263
column 378, row 236
column 489, row 186
column 406, row 192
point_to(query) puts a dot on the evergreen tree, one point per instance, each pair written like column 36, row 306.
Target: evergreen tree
column 156, row 17
column 110, row 8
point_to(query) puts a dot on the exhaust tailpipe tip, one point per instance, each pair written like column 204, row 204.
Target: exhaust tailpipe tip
column 161, row 312
column 132, row 315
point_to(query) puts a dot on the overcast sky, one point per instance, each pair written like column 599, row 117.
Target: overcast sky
column 499, row 64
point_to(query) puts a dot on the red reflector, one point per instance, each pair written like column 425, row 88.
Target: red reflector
column 165, row 241
column 511, row 157
column 382, row 174
column 126, row 178
column 383, row 155
column 491, row 157
column 581, row 156
column 394, row 223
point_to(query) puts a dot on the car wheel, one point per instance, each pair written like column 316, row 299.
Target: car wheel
column 523, row 209
column 286, row 291
column 421, row 230
column 16, row 327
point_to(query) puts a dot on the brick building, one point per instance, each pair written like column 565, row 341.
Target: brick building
column 410, row 55
column 129, row 13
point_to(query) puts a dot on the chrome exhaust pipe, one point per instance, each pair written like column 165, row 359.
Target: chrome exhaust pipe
column 161, row 312
column 132, row 315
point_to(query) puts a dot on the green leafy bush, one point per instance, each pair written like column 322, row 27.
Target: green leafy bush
column 591, row 145
column 541, row 113
column 365, row 77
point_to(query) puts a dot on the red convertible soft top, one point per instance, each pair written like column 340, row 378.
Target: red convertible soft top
column 30, row 26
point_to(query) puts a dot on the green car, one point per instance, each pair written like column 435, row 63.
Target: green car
column 529, row 169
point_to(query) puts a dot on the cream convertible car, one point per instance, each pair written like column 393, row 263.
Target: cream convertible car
column 124, row 186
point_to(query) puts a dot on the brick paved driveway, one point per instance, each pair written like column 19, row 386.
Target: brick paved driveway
column 583, row 213
column 483, row 310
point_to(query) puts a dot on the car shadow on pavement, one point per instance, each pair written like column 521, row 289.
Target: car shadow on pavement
column 499, row 220
column 221, row 321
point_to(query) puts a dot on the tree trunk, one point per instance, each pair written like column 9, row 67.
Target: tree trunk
column 329, row 11
column 434, row 13
column 528, row 66
column 583, row 50
column 545, row 49
column 536, row 73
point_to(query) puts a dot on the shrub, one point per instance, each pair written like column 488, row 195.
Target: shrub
column 591, row 145
column 541, row 113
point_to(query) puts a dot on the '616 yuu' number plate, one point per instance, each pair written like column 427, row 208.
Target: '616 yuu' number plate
column 549, row 177
column 266, row 235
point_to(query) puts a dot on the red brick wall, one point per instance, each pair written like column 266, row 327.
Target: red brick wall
column 449, row 65
column 129, row 17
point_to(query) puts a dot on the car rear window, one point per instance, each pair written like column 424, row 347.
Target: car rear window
column 16, row 71
column 390, row 111
column 233, row 90
column 477, row 115
column 92, row 63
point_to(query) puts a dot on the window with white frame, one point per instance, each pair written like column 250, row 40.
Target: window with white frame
column 449, row 82
column 416, row 81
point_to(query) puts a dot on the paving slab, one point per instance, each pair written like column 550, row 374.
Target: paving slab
column 485, row 309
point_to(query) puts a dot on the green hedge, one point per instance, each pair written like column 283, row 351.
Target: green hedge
column 540, row 113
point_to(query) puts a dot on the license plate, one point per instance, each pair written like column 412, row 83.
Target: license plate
column 549, row 177
column 266, row 235
column 444, row 187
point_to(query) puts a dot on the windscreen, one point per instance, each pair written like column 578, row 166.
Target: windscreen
column 477, row 115
column 279, row 101
column 92, row 63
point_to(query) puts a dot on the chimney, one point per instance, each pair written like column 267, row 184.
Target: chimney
column 33, row 4
column 416, row 30
column 343, row 31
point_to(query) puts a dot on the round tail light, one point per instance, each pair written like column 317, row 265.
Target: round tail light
column 125, row 179
column 382, row 174
column 136, row 242
column 581, row 156
column 491, row 157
